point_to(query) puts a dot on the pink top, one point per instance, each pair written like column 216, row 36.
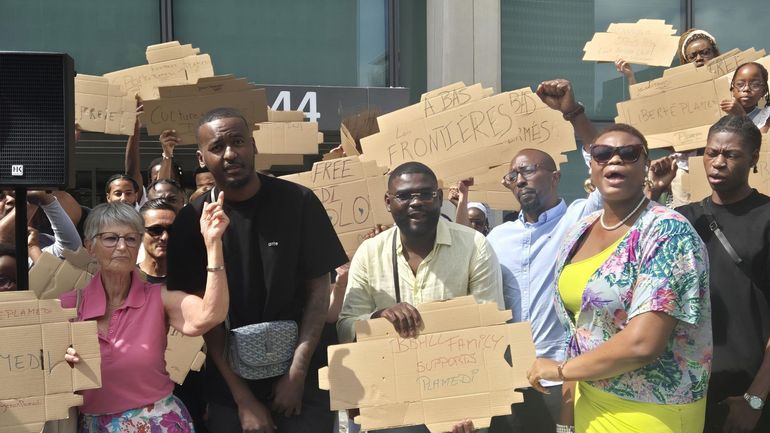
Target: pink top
column 133, row 351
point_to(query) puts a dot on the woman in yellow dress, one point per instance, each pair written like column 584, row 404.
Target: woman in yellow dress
column 633, row 295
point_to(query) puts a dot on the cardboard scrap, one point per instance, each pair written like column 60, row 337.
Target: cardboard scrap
column 183, row 353
column 352, row 191
column 284, row 116
column 455, row 369
column 170, row 64
column 103, row 107
column 441, row 102
column 466, row 141
column 180, row 107
column 347, row 141
column 288, row 137
column 688, row 74
column 646, row 42
column 38, row 385
column 676, row 109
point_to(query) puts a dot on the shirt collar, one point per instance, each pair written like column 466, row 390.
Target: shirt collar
column 548, row 215
column 95, row 300
column 443, row 235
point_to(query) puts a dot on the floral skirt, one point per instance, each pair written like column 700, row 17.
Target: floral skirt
column 167, row 415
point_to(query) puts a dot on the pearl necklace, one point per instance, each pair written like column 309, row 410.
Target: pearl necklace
column 609, row 229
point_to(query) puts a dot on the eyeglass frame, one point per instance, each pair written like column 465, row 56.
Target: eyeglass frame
column 616, row 151
column 7, row 281
column 125, row 240
column 703, row 53
column 417, row 195
column 740, row 85
column 535, row 167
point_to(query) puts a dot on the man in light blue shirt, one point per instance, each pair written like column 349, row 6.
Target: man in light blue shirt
column 527, row 249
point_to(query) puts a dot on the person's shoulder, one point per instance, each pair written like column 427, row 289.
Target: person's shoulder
column 502, row 230
column 666, row 221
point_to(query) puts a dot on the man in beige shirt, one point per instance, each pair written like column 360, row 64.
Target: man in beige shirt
column 435, row 259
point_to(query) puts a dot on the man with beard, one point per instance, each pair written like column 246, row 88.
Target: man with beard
column 527, row 249
column 434, row 260
column 279, row 250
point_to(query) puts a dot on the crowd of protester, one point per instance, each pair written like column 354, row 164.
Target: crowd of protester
column 646, row 317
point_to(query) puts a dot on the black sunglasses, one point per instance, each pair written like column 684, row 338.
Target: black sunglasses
column 157, row 230
column 603, row 153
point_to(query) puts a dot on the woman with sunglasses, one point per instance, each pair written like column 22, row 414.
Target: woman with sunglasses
column 632, row 293
column 133, row 318
column 749, row 86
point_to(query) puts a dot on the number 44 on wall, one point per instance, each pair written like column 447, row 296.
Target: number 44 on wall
column 308, row 104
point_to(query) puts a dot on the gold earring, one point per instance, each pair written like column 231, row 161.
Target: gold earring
column 588, row 186
column 647, row 182
column 755, row 169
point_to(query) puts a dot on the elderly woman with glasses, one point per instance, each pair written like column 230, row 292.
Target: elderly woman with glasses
column 133, row 317
column 749, row 86
column 632, row 293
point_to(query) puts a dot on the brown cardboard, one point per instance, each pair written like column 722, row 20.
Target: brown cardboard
column 37, row 384
column 287, row 137
column 171, row 66
column 436, row 92
column 688, row 74
column 183, row 353
column 468, row 140
column 352, row 191
column 180, row 107
column 103, row 107
column 444, row 101
column 646, row 42
column 453, row 370
column 677, row 109
column 347, row 141
column 681, row 141
column 267, row 161
column 285, row 116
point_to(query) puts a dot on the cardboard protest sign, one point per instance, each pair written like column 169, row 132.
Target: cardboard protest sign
column 265, row 161
column 467, row 140
column 352, row 191
column 681, row 141
column 439, row 103
column 676, row 109
column 180, row 107
column 170, row 64
column 103, row 107
column 183, row 353
column 455, row 369
column 38, row 386
column 285, row 116
column 436, row 92
column 688, row 74
column 288, row 137
column 646, row 42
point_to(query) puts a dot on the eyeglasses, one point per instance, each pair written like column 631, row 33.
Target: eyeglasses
column 706, row 52
column 407, row 197
column 528, row 171
column 755, row 86
column 603, row 153
column 157, row 230
column 110, row 240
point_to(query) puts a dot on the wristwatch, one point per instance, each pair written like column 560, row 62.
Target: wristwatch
column 754, row 402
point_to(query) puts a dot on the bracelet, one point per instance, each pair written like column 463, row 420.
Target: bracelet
column 575, row 113
column 559, row 370
column 561, row 428
column 215, row 268
column 168, row 157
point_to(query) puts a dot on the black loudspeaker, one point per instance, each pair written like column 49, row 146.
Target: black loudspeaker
column 37, row 120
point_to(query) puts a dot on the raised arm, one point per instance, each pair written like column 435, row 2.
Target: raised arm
column 558, row 94
column 191, row 314
column 625, row 68
column 65, row 233
column 133, row 157
column 168, row 141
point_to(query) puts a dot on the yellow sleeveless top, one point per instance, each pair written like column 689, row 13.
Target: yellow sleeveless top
column 574, row 277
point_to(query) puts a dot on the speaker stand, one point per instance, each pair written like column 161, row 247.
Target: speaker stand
column 22, row 260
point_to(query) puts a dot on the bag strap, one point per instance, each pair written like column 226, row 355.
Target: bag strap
column 714, row 227
column 396, row 280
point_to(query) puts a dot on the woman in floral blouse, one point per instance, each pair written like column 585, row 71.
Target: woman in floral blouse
column 633, row 296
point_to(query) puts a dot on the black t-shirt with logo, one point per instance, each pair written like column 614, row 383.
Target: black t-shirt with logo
column 739, row 297
column 276, row 240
